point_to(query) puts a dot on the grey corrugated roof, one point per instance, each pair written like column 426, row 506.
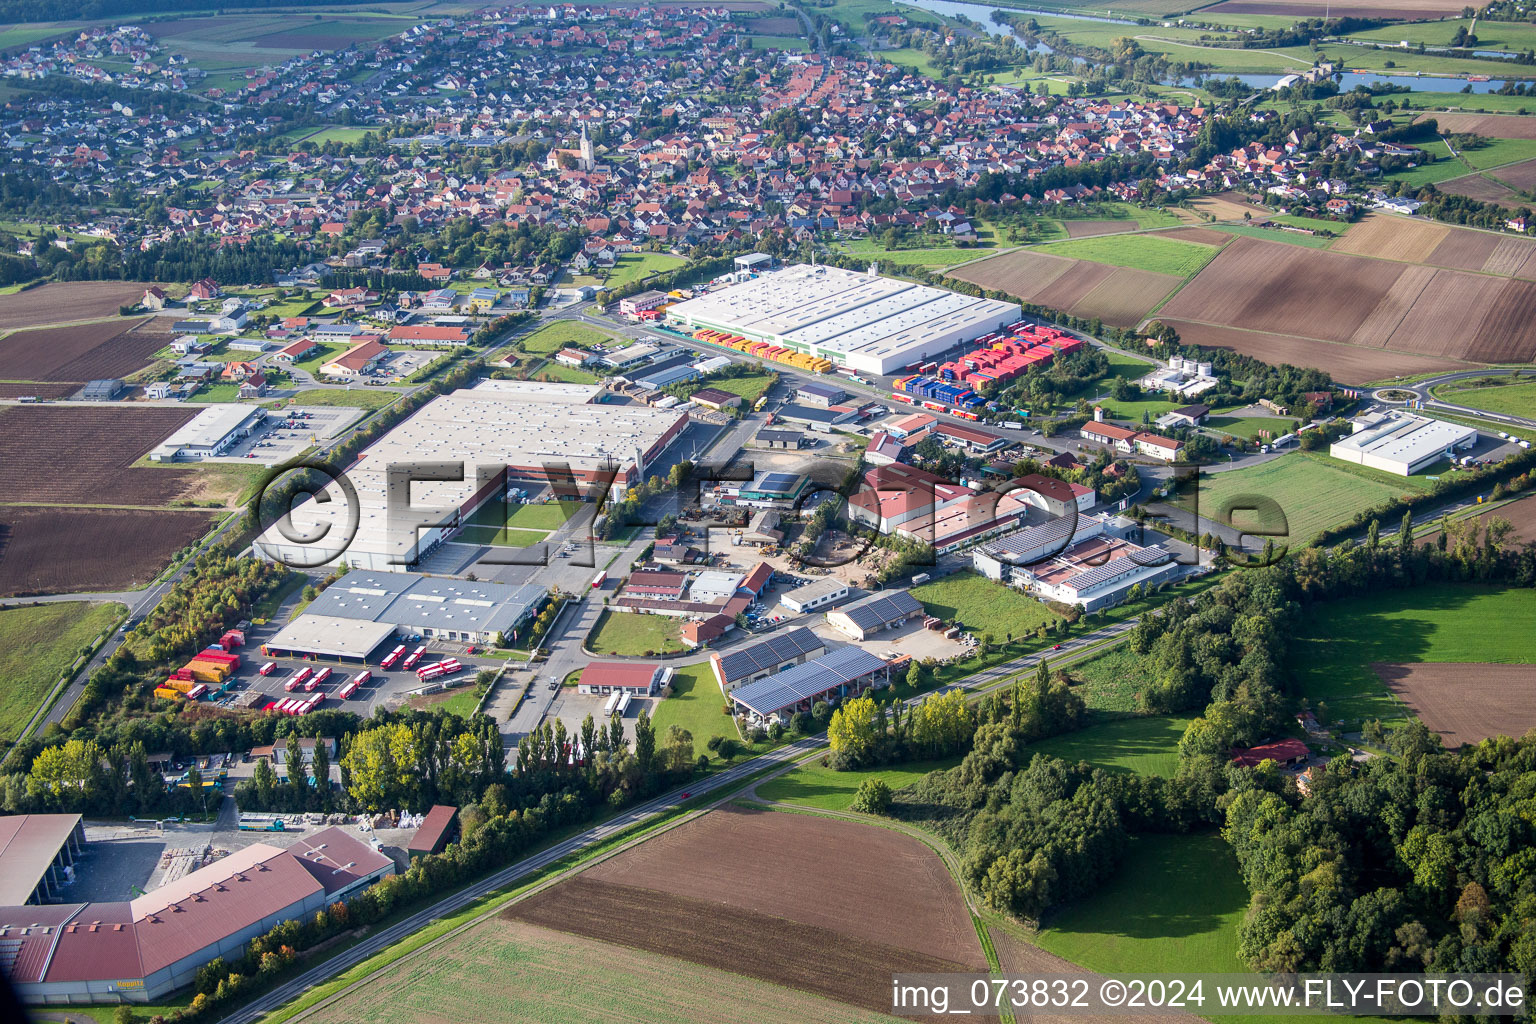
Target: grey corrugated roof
column 771, row 695
column 439, row 602
column 882, row 609
column 769, row 653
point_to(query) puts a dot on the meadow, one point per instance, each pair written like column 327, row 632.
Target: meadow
column 984, row 606
column 561, row 334
column 37, row 644
column 634, row 634
column 1143, row 745
column 1138, row 252
column 1509, row 399
column 695, row 704
column 815, row 785
column 1338, row 641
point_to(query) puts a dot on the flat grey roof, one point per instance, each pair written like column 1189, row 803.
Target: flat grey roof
column 332, row 636
column 436, row 602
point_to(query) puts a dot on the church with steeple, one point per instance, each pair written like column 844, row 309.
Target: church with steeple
column 584, row 156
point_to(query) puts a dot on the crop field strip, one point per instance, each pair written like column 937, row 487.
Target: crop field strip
column 1494, row 126
column 80, row 352
column 1465, row 703
column 84, row 456
column 47, row 550
column 59, row 302
column 1406, row 9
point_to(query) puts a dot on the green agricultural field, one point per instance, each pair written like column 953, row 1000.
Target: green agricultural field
column 1483, row 102
column 1313, row 491
column 337, row 134
column 1270, row 235
column 563, row 374
column 927, row 256
column 562, row 334
column 635, row 634
column 750, row 387
column 1491, row 35
column 1509, row 399
column 1110, row 681
column 1172, row 908
column 353, row 398
column 1499, row 152
column 632, row 267
column 328, row 350
column 1144, row 745
column 1443, row 168
column 1312, row 223
column 1249, row 426
column 781, row 43
column 983, row 605
column 1339, row 640
column 1139, row 252
column 815, row 785
column 695, row 705
column 37, row 645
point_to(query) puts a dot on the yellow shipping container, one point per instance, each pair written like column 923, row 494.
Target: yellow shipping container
column 208, row 671
column 180, row 684
column 166, row 693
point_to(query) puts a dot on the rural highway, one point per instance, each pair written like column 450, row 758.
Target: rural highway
column 782, row 758
column 1424, row 390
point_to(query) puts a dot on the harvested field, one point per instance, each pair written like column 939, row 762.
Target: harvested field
column 506, row 970
column 1451, row 309
column 1509, row 257
column 1377, row 329
column 1023, row 273
column 1496, row 126
column 109, row 348
column 1286, row 289
column 1521, row 175
column 1463, row 702
column 774, row 26
column 799, row 956
column 1204, row 236
column 1348, row 364
column 747, row 859
column 1521, row 515
column 1068, row 289
column 1088, row 228
column 79, row 455
column 1467, row 250
column 70, row 550
column 75, row 300
column 1484, row 189
column 1229, row 206
column 1393, row 238
column 1126, row 296
column 1508, row 333
column 1019, row 958
column 1412, row 10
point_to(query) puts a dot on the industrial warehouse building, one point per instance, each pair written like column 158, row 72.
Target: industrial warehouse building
column 37, row 853
column 1400, row 442
column 760, row 660
column 640, row 679
column 1090, row 561
column 358, row 613
column 845, row 672
column 210, row 433
column 815, row 594
column 864, row 618
column 524, row 430
column 860, row 320
column 144, row 949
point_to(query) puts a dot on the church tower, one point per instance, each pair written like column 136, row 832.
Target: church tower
column 587, row 160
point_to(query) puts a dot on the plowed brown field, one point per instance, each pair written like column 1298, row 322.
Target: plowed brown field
column 1466, row 703
column 1088, row 228
column 1205, row 236
column 1508, row 332
column 38, row 389
column 1126, row 296
column 73, row 550
column 1521, row 175
column 749, row 859
column 1025, row 274
column 61, row 303
column 1068, row 289
column 1497, row 126
column 1450, row 310
column 1484, row 189
column 1349, row 364
column 1466, row 250
column 1377, row 329
column 110, row 348
column 79, row 455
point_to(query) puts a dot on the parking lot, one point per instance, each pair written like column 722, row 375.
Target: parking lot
column 289, row 432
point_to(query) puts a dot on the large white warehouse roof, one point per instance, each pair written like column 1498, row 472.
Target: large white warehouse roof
column 1400, row 442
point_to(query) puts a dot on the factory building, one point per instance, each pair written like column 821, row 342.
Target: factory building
column 1400, row 442
column 863, row 321
column 209, row 434
column 500, row 432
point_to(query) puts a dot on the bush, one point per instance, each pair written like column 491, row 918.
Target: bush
column 873, row 797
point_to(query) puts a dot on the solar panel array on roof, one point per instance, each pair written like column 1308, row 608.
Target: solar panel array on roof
column 774, row 694
column 880, row 609
column 1100, row 573
column 778, row 482
column 769, row 654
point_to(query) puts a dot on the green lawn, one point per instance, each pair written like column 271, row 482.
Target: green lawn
column 1249, row 426
column 1144, row 745
column 1491, row 35
column 562, row 334
column 983, row 605
column 329, row 350
column 927, row 256
column 554, row 371
column 1499, row 152
column 1271, row 235
column 217, row 393
column 1172, row 908
column 695, row 704
column 749, row 387
column 1339, row 640
column 337, row 134
column 814, row 785
column 353, row 398
column 1312, row 223
column 1313, row 492
column 634, row 633
column 1140, row 252
column 37, row 644
column 524, row 525
column 636, row 266
column 1153, row 406
column 780, row 43
column 1509, row 399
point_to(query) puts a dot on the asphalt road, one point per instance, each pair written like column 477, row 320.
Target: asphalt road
column 1424, row 390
